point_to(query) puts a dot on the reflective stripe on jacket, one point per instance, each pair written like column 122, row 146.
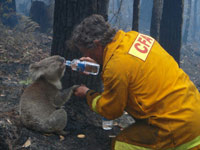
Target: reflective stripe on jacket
column 191, row 145
column 152, row 87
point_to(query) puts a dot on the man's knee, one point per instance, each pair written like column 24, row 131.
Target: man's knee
column 138, row 135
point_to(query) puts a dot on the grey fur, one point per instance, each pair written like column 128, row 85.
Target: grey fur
column 41, row 102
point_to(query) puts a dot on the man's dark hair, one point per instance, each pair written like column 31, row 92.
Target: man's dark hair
column 92, row 28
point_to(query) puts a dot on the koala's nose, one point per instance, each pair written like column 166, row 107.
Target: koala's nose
column 62, row 59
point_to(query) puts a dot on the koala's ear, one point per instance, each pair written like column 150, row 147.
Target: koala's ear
column 34, row 66
column 34, row 71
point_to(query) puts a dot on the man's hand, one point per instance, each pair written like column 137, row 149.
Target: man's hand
column 87, row 59
column 81, row 91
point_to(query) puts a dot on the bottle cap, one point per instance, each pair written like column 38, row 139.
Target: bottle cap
column 68, row 63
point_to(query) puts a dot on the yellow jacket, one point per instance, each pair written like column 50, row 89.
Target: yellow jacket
column 140, row 77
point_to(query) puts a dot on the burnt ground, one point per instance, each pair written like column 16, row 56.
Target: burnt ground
column 17, row 51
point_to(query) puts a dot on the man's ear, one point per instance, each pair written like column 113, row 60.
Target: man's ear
column 97, row 43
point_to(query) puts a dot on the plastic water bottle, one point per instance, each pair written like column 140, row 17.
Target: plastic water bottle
column 107, row 124
column 83, row 66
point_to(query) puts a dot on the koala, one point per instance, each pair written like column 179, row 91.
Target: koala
column 42, row 101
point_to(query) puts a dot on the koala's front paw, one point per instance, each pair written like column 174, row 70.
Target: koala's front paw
column 68, row 92
column 74, row 87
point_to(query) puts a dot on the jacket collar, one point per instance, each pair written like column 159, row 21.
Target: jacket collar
column 111, row 47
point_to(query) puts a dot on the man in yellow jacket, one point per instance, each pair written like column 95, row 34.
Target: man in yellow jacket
column 141, row 78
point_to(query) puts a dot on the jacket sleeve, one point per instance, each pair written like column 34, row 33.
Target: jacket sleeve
column 112, row 102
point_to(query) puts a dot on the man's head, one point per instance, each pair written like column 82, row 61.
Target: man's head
column 91, row 35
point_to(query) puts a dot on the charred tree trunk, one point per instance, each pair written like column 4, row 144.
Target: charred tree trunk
column 195, row 20
column 187, row 22
column 145, row 16
column 171, row 27
column 39, row 14
column 8, row 13
column 67, row 14
column 156, row 18
column 136, row 11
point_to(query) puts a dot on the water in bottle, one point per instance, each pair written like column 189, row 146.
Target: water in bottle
column 83, row 66
column 107, row 124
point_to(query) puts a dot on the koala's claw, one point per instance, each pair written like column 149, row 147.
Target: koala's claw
column 74, row 87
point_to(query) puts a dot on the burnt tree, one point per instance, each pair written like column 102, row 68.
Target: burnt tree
column 8, row 13
column 171, row 27
column 155, row 19
column 195, row 27
column 187, row 22
column 67, row 14
column 136, row 10
column 39, row 14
